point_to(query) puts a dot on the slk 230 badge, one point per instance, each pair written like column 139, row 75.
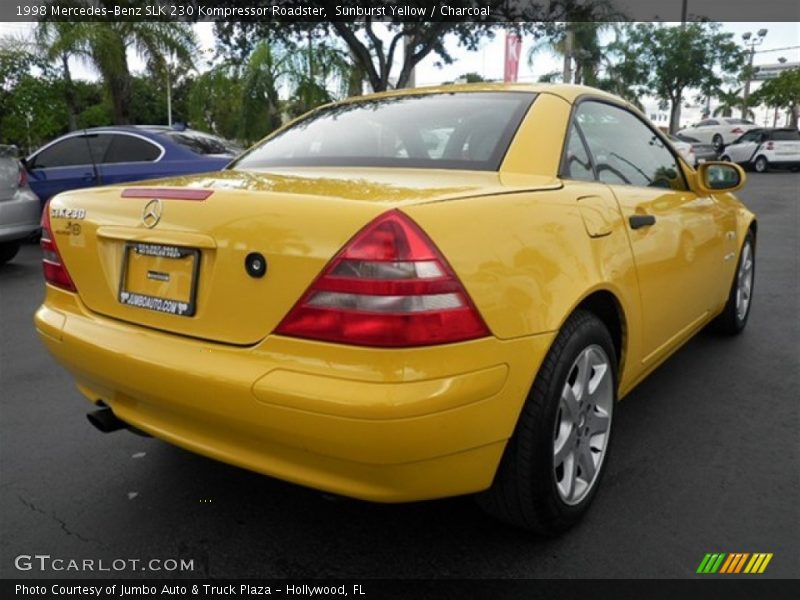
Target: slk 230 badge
column 74, row 214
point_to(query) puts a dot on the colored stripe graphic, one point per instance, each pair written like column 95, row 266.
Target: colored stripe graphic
column 764, row 564
column 725, row 563
column 717, row 563
column 703, row 563
column 741, row 562
column 731, row 560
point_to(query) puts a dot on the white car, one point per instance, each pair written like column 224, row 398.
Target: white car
column 20, row 209
column 685, row 149
column 719, row 131
column 761, row 149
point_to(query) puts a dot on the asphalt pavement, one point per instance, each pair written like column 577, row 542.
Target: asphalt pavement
column 705, row 459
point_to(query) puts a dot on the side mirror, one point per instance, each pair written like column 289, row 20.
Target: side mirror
column 717, row 176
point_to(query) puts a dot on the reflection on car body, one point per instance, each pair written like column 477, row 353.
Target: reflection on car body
column 459, row 283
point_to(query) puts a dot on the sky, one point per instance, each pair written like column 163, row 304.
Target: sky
column 782, row 40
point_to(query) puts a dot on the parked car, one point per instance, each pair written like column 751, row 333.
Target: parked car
column 718, row 131
column 355, row 308
column 19, row 206
column 108, row 155
column 762, row 149
column 702, row 152
column 684, row 149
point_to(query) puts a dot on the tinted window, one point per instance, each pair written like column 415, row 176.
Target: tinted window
column 739, row 122
column 202, row 144
column 625, row 150
column 127, row 148
column 66, row 153
column 785, row 135
column 464, row 130
column 576, row 161
column 750, row 136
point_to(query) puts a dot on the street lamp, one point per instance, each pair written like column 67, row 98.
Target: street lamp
column 781, row 60
column 750, row 42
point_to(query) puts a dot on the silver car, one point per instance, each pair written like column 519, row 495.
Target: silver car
column 20, row 209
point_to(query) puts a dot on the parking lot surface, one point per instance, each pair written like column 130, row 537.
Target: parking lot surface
column 706, row 458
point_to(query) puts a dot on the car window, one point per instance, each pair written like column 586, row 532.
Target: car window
column 465, row 130
column 576, row 160
column 625, row 150
column 68, row 152
column 786, row 135
column 128, row 148
column 750, row 136
column 739, row 122
column 202, row 144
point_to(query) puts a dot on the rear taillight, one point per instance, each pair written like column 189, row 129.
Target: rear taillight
column 55, row 273
column 22, row 177
column 737, row 130
column 389, row 287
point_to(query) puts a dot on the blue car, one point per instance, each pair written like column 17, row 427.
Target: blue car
column 108, row 155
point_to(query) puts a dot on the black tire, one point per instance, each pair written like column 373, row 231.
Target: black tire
column 8, row 250
column 730, row 321
column 524, row 492
column 718, row 143
column 761, row 164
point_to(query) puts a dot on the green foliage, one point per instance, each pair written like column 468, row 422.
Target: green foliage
column 732, row 100
column 664, row 61
column 782, row 92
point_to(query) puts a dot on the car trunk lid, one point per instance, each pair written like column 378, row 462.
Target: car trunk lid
column 189, row 269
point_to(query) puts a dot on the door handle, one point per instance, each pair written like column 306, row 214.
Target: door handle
column 639, row 221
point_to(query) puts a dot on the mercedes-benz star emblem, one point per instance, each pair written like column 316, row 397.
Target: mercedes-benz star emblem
column 152, row 213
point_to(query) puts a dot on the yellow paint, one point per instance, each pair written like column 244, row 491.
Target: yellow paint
column 381, row 424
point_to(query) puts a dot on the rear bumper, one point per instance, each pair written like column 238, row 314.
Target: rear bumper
column 19, row 216
column 382, row 425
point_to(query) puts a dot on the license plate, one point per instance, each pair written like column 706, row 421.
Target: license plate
column 160, row 278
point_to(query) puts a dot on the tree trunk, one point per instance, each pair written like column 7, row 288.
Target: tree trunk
column 118, row 84
column 793, row 116
column 69, row 94
column 675, row 113
column 356, row 77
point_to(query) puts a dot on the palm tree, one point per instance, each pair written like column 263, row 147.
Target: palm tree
column 586, row 49
column 58, row 41
column 105, row 45
column 731, row 101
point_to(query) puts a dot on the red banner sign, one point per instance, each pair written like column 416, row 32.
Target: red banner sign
column 513, row 49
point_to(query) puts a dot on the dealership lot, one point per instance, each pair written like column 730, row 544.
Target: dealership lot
column 705, row 459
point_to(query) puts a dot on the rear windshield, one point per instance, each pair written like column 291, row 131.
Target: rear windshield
column 203, row 144
column 470, row 130
column 785, row 135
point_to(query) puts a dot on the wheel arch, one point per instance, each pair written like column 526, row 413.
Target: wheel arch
column 605, row 305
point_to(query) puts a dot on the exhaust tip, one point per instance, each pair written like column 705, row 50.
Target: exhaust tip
column 105, row 420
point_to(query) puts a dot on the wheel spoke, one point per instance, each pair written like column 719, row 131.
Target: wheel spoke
column 586, row 462
column 584, row 374
column 562, row 449
column 569, row 403
column 597, row 422
column 567, row 483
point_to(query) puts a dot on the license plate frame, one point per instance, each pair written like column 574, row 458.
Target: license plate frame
column 157, row 304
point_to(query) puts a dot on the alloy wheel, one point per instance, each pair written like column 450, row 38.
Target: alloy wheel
column 583, row 424
column 744, row 281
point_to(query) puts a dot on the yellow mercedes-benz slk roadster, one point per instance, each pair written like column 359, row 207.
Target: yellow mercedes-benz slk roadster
column 403, row 296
